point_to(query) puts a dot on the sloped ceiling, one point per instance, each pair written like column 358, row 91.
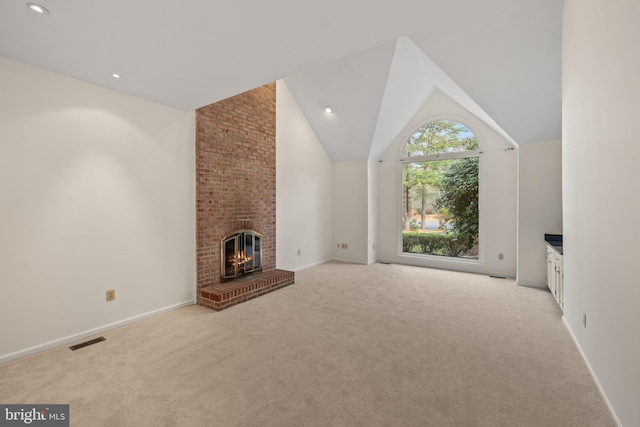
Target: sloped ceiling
column 354, row 87
column 501, row 58
column 409, row 86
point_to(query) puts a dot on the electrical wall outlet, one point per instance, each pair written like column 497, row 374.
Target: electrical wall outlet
column 584, row 319
column 500, row 257
column 298, row 251
column 111, row 294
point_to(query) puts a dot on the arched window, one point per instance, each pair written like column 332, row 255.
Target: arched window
column 440, row 189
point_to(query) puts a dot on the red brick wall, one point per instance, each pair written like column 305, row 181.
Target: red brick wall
column 235, row 176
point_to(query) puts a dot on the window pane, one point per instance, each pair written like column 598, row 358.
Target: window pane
column 440, row 137
column 440, row 208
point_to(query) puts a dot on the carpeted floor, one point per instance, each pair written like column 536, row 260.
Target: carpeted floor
column 347, row 345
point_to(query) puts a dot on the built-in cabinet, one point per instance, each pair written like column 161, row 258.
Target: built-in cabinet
column 555, row 274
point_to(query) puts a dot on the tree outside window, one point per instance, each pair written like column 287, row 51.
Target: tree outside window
column 440, row 191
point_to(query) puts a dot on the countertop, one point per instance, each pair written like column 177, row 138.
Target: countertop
column 555, row 241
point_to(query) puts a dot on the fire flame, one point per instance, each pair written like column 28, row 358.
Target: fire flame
column 239, row 260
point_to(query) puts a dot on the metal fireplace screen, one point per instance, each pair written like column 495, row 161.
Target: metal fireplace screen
column 241, row 253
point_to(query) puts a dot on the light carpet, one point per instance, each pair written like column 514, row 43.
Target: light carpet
column 347, row 345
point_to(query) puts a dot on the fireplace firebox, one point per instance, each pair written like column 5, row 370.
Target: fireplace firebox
column 241, row 253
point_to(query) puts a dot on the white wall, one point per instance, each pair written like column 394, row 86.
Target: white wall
column 97, row 192
column 350, row 211
column 497, row 199
column 539, row 207
column 601, row 184
column 303, row 189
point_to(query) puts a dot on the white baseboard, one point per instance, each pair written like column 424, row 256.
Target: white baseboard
column 304, row 267
column 68, row 339
column 531, row 284
column 350, row 261
column 593, row 375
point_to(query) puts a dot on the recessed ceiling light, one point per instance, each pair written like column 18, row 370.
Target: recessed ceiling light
column 115, row 75
column 328, row 109
column 37, row 8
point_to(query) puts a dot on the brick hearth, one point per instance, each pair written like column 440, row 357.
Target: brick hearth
column 224, row 295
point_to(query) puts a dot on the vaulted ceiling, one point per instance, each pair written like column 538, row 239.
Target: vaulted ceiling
column 374, row 62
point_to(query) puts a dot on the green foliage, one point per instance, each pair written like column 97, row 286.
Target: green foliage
column 459, row 195
column 453, row 246
column 422, row 181
column 433, row 244
column 409, row 242
column 442, row 136
column 443, row 216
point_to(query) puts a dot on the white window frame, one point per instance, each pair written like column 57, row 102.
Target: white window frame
column 444, row 261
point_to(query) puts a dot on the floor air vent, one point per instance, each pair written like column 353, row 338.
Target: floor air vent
column 86, row 343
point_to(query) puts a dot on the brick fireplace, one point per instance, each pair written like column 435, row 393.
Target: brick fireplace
column 236, row 190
